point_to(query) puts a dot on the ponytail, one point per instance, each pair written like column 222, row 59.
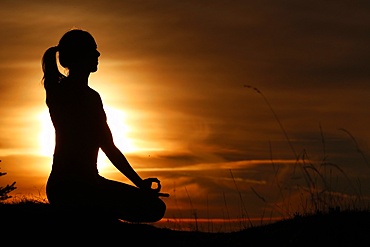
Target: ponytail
column 52, row 76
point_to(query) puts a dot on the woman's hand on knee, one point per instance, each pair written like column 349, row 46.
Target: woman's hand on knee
column 148, row 183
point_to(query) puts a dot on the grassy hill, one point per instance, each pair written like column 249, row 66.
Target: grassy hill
column 38, row 223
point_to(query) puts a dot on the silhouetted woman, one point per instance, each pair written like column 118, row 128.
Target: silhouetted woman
column 81, row 129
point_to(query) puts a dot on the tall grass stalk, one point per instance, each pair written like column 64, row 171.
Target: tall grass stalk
column 193, row 211
column 263, row 200
column 358, row 149
column 227, row 209
column 317, row 193
column 241, row 200
column 276, row 118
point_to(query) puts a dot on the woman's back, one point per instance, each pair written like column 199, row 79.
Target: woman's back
column 78, row 117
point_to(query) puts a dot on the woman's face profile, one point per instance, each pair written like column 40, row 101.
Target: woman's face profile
column 87, row 59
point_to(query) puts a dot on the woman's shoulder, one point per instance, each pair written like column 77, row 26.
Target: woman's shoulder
column 92, row 92
column 94, row 96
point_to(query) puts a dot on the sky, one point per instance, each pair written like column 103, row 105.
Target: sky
column 251, row 109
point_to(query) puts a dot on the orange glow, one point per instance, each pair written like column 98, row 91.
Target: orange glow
column 177, row 107
column 213, row 224
column 116, row 120
column 46, row 135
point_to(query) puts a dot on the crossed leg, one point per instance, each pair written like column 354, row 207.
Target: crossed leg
column 130, row 203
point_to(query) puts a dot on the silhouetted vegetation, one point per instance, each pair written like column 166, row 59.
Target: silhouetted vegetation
column 312, row 180
column 36, row 221
column 4, row 191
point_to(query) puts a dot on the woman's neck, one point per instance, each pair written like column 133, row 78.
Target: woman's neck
column 79, row 77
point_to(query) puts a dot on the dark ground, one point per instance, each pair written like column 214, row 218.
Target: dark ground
column 38, row 224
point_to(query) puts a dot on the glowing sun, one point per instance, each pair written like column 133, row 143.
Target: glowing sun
column 116, row 120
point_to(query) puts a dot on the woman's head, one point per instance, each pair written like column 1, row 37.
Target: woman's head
column 77, row 52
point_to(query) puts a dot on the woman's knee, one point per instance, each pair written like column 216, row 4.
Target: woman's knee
column 150, row 212
column 158, row 210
